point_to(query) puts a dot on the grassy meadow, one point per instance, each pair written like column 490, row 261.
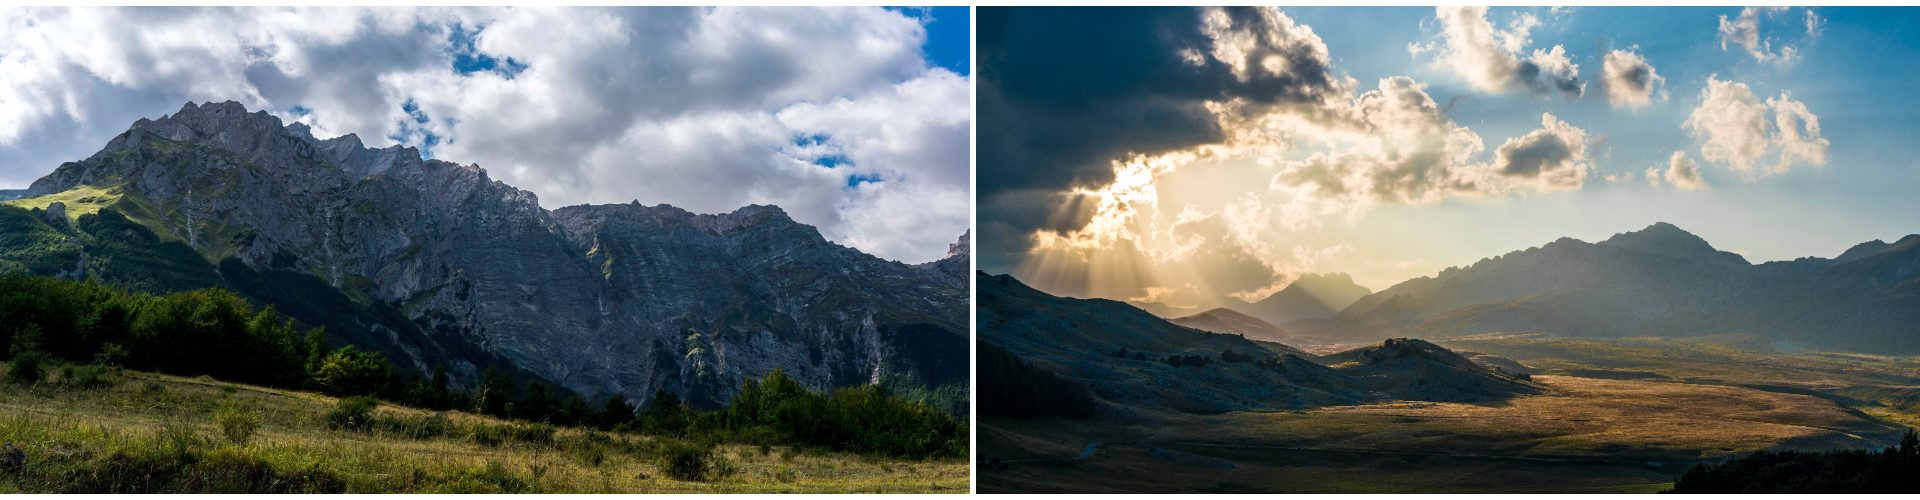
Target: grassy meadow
column 90, row 430
column 1618, row 416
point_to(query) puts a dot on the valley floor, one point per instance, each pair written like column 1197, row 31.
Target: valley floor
column 1635, row 418
column 140, row 431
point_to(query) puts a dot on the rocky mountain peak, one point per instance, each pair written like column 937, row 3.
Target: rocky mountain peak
column 1310, row 296
column 301, row 130
column 1668, row 240
column 1325, row 279
column 960, row 248
column 226, row 122
column 758, row 214
column 1863, row 250
column 1878, row 247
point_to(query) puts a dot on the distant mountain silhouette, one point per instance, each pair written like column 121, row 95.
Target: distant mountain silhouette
column 1658, row 281
column 1223, row 320
column 1165, row 310
column 1312, row 296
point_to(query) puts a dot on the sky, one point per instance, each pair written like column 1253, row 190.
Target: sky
column 1196, row 157
column 854, row 120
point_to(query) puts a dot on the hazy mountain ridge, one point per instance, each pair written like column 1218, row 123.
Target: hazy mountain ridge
column 1311, row 296
column 1224, row 320
column 1662, row 281
column 609, row 298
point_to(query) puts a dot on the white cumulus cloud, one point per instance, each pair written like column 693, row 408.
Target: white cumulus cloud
column 1737, row 128
column 1681, row 172
column 1493, row 59
column 832, row 113
column 1630, row 81
column 1746, row 32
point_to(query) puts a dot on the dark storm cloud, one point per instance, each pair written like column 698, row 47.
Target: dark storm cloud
column 1065, row 91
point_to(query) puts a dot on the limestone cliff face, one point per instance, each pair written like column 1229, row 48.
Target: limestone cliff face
column 597, row 298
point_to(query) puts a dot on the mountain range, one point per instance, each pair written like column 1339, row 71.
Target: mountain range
column 1310, row 296
column 1660, row 281
column 437, row 265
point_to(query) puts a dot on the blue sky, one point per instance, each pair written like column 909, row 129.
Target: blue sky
column 949, row 44
column 1463, row 134
column 1852, row 74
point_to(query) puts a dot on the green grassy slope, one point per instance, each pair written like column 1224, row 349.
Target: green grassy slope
column 141, row 432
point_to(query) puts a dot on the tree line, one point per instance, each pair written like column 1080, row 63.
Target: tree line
column 217, row 333
column 1021, row 390
column 1895, row 469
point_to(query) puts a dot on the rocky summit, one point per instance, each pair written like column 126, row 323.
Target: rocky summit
column 439, row 266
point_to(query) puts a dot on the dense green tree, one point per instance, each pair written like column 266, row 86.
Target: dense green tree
column 27, row 361
column 536, row 403
column 665, row 414
column 1910, row 444
column 863, row 419
column 495, row 394
column 614, row 412
column 352, row 372
column 316, row 348
column 573, row 410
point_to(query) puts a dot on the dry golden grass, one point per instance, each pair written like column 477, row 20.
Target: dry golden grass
column 1584, row 435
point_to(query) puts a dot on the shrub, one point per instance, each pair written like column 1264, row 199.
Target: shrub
column 536, row 433
column 180, row 439
column 229, row 471
column 88, row 376
column 496, row 435
column 354, row 414
column 491, row 478
column 589, row 454
column 687, row 461
column 427, row 427
column 237, row 425
column 217, row 471
column 27, row 368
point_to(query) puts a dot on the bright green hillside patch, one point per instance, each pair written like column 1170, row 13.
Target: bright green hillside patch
column 80, row 200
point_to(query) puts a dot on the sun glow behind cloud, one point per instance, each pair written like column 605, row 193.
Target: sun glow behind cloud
column 1279, row 171
column 1220, row 160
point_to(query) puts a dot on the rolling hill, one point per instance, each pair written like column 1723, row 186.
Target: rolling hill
column 1135, row 361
